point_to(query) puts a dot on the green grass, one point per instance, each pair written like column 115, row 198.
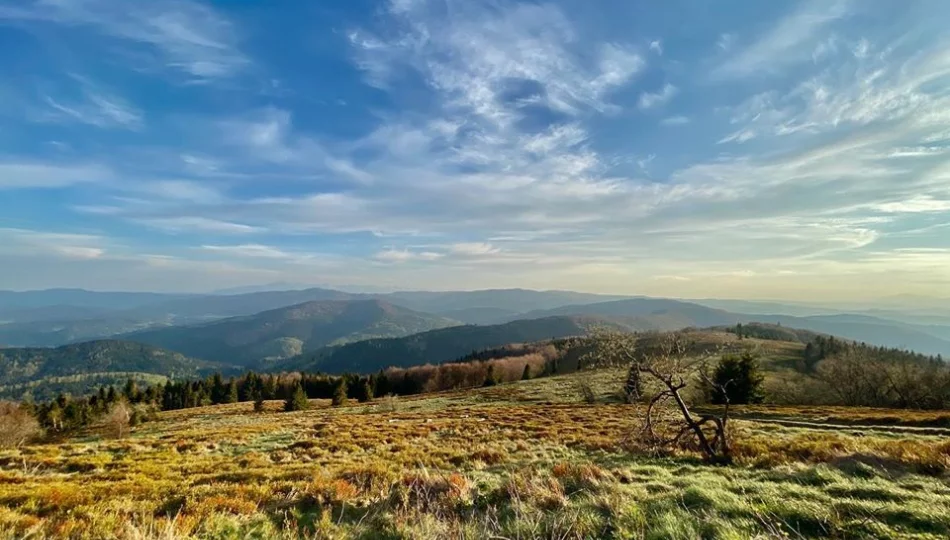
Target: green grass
column 523, row 460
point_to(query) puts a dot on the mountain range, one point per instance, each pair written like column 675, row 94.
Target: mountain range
column 289, row 331
column 328, row 330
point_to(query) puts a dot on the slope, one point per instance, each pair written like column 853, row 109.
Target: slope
column 289, row 331
column 436, row 346
column 665, row 314
column 85, row 366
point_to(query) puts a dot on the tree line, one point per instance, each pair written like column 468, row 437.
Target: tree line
column 66, row 413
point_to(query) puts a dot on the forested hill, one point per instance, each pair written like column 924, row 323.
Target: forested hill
column 435, row 346
column 289, row 331
column 89, row 364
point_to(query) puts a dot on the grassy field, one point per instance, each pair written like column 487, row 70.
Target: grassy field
column 522, row 460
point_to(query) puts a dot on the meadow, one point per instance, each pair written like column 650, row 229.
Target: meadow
column 530, row 459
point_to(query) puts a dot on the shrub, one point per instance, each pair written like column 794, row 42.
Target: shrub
column 17, row 425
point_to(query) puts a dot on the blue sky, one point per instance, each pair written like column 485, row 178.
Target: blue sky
column 745, row 149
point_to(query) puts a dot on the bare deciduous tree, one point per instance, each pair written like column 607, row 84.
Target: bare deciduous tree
column 666, row 363
column 118, row 418
column 17, row 425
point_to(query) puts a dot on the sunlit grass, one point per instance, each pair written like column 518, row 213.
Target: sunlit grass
column 522, row 460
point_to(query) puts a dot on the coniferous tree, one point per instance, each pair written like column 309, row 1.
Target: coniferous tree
column 737, row 380
column 339, row 392
column 232, row 395
column 366, row 391
column 526, row 374
column 297, row 400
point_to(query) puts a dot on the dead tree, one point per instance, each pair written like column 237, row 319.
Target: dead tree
column 665, row 360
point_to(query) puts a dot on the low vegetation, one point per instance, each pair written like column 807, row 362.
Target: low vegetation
column 610, row 438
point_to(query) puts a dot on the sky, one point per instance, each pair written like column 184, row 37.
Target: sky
column 730, row 149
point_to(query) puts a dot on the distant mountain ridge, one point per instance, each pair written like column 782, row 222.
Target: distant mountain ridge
column 288, row 331
column 436, row 346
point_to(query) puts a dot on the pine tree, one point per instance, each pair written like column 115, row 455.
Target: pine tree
column 297, row 400
column 526, row 374
column 339, row 392
column 366, row 391
column 131, row 391
column 232, row 396
column 738, row 380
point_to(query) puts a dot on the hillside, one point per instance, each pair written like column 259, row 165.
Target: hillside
column 663, row 314
column 529, row 459
column 84, row 366
column 435, row 346
column 289, row 331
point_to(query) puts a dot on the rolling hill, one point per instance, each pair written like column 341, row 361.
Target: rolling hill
column 436, row 346
column 84, row 366
column 289, row 331
column 664, row 314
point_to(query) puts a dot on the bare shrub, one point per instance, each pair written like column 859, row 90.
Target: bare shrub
column 390, row 403
column 585, row 389
column 118, row 418
column 17, row 425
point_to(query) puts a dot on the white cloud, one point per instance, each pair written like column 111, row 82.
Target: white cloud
column 657, row 47
column 791, row 40
column 250, row 250
column 391, row 255
column 472, row 249
column 62, row 245
column 473, row 55
column 182, row 35
column 650, row 100
column 922, row 203
column 32, row 175
column 192, row 224
column 95, row 107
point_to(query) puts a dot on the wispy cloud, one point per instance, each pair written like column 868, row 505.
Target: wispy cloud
column 32, row 175
column 95, row 107
column 65, row 245
column 650, row 100
column 391, row 255
column 181, row 35
column 792, row 39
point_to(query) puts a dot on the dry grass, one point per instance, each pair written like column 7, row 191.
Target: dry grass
column 522, row 460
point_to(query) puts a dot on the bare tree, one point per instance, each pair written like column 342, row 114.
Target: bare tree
column 17, row 425
column 666, row 362
column 118, row 418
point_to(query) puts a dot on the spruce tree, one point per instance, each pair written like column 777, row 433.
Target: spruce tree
column 297, row 400
column 232, row 396
column 339, row 392
column 738, row 380
column 366, row 391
